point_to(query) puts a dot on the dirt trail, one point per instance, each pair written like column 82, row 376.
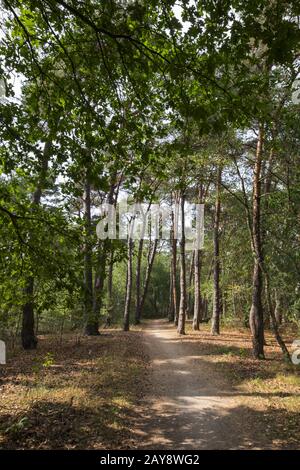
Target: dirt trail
column 189, row 406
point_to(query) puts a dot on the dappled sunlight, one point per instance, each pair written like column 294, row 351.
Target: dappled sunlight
column 82, row 400
column 192, row 405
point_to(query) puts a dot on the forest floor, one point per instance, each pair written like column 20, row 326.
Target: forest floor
column 149, row 388
column 209, row 393
column 78, row 393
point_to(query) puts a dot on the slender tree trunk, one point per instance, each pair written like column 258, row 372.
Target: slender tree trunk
column 224, row 304
column 99, row 285
column 110, row 282
column 28, row 337
column 234, row 305
column 272, row 314
column 267, row 318
column 171, row 303
column 29, row 340
column 112, row 199
column 128, row 284
column 256, row 319
column 182, row 304
column 266, row 176
column 278, row 309
column 174, row 267
column 191, row 281
column 91, row 321
column 198, row 302
column 197, row 289
column 138, row 281
column 273, row 319
column 215, row 322
column 204, row 308
column 150, row 263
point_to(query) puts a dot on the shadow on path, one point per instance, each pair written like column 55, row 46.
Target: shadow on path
column 190, row 406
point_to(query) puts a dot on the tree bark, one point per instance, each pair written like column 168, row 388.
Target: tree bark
column 171, row 304
column 174, row 267
column 182, row 304
column 111, row 199
column 272, row 314
column 215, row 323
column 99, row 285
column 28, row 337
column 198, row 302
column 128, row 284
column 278, row 308
column 110, row 283
column 91, row 319
column 273, row 319
column 256, row 319
column 190, row 288
column 138, row 282
column 197, row 290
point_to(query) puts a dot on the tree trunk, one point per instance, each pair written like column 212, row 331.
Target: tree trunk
column 273, row 319
column 197, row 289
column 151, row 258
column 204, row 308
column 128, row 284
column 99, row 285
column 198, row 303
column 110, row 283
column 138, row 282
column 182, row 304
column 28, row 337
column 234, row 305
column 256, row 319
column 191, row 281
column 278, row 309
column 174, row 268
column 272, row 314
column 111, row 199
column 224, row 305
column 171, row 303
column 91, row 320
column 29, row 340
column 266, row 176
column 215, row 323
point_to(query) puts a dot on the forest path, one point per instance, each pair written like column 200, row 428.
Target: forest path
column 189, row 405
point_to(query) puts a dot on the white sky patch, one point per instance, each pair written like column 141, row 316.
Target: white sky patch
column 178, row 10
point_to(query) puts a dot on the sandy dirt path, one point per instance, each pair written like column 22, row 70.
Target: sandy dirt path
column 189, row 405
